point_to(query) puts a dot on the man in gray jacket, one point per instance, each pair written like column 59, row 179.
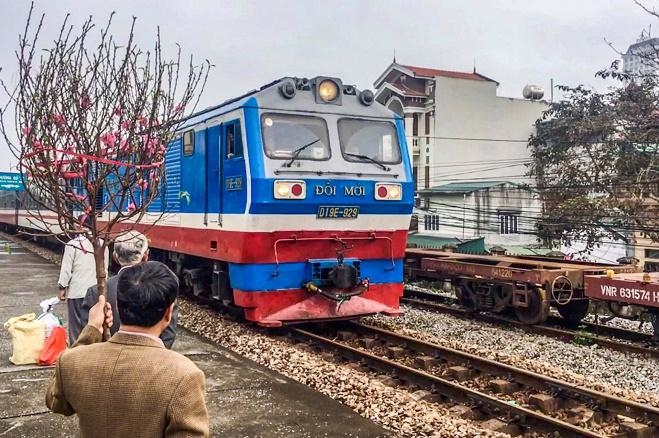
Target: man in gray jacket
column 130, row 249
column 77, row 274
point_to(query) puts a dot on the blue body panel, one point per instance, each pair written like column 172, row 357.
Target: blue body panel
column 212, row 194
column 261, row 277
column 193, row 183
column 253, row 139
column 264, row 203
column 226, row 180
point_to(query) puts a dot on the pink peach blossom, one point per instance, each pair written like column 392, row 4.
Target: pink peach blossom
column 85, row 101
column 59, row 119
column 108, row 139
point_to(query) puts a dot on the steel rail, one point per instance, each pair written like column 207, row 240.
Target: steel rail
column 453, row 391
column 642, row 412
column 434, row 303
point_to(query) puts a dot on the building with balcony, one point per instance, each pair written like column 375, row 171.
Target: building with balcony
column 462, row 133
column 458, row 127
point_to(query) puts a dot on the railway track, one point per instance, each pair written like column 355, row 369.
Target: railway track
column 612, row 337
column 504, row 398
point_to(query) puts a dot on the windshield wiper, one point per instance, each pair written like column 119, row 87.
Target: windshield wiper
column 297, row 152
column 367, row 158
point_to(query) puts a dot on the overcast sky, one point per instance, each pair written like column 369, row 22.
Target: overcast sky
column 516, row 42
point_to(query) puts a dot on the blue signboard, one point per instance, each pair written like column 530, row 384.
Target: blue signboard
column 11, row 181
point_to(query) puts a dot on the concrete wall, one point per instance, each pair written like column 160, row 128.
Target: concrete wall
column 466, row 110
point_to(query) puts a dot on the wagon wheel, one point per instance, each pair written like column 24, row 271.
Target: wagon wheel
column 537, row 310
column 561, row 290
column 464, row 298
column 575, row 310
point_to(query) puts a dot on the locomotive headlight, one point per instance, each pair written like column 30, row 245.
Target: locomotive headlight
column 328, row 90
column 289, row 189
column 283, row 190
column 388, row 192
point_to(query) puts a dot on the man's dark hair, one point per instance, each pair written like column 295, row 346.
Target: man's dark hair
column 144, row 292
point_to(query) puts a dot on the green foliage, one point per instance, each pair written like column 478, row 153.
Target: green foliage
column 582, row 337
column 596, row 160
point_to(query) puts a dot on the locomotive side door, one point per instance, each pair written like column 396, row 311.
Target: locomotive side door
column 213, row 189
column 232, row 168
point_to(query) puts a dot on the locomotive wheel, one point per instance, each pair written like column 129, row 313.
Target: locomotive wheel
column 574, row 311
column 537, row 310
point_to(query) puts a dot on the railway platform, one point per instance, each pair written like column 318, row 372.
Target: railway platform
column 243, row 398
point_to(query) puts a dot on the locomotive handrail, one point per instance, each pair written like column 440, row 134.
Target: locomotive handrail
column 333, row 238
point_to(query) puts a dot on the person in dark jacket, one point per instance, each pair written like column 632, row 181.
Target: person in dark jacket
column 130, row 249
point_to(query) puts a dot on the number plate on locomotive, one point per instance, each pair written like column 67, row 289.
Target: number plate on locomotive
column 337, row 212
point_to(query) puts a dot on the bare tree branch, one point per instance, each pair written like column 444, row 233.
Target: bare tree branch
column 93, row 119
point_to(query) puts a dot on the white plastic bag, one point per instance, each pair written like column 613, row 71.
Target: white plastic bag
column 48, row 317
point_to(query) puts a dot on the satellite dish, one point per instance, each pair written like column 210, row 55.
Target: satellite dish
column 533, row 92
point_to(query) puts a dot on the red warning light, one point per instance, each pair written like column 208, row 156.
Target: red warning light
column 382, row 192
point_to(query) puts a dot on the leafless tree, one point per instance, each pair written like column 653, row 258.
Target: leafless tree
column 89, row 121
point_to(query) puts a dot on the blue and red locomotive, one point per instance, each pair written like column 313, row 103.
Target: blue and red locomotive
column 291, row 202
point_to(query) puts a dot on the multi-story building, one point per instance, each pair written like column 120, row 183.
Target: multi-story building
column 641, row 57
column 464, row 135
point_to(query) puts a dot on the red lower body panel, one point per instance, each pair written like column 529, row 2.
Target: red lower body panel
column 281, row 246
column 274, row 308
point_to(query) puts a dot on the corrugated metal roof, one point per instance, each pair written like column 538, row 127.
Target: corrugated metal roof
column 464, row 187
column 529, row 250
column 474, row 246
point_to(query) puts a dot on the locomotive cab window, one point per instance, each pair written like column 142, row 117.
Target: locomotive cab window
column 288, row 136
column 234, row 139
column 188, row 142
column 367, row 140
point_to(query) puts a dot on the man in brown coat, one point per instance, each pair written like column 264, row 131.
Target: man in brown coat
column 131, row 386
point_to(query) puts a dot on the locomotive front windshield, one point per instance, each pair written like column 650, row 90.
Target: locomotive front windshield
column 365, row 140
column 287, row 136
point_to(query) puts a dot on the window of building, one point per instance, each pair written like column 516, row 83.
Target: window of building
column 188, row 142
column 415, row 124
column 652, row 253
column 508, row 222
column 431, row 222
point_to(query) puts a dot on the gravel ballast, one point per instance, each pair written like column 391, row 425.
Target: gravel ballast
column 394, row 408
column 627, row 375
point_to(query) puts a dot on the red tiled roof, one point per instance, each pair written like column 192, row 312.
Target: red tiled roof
column 432, row 72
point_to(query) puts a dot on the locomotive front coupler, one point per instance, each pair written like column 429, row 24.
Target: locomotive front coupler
column 338, row 295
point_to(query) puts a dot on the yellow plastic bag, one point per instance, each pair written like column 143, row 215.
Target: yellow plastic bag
column 27, row 338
